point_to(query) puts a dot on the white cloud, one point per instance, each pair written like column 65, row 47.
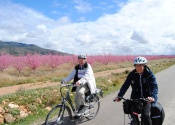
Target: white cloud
column 140, row 27
column 139, row 36
column 64, row 20
column 42, row 27
column 84, row 38
column 82, row 6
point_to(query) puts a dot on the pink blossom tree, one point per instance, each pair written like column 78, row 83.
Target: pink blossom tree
column 33, row 61
column 71, row 59
column 66, row 58
column 19, row 63
column 91, row 59
column 44, row 60
column 54, row 61
column 5, row 60
column 74, row 59
column 104, row 59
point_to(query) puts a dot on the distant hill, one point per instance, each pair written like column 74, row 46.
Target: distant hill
column 15, row 48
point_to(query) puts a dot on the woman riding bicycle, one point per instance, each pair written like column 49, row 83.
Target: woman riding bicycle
column 143, row 84
column 84, row 80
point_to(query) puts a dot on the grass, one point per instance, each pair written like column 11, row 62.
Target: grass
column 11, row 77
column 36, row 101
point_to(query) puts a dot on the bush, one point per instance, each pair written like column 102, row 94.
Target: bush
column 32, row 108
column 116, row 82
column 127, row 71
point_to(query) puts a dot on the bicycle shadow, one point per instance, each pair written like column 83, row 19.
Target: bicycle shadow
column 78, row 121
column 72, row 122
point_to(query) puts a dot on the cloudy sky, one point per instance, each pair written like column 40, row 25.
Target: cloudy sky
column 126, row 27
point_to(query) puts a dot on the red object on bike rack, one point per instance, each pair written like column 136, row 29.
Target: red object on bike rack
column 135, row 113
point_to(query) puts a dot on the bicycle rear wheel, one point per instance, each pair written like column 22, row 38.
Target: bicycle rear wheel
column 59, row 115
column 93, row 108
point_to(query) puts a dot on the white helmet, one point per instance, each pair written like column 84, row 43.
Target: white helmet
column 140, row 60
column 82, row 56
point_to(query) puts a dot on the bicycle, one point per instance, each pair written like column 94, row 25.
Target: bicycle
column 61, row 114
column 133, row 107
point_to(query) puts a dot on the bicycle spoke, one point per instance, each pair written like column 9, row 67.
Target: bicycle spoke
column 93, row 108
column 58, row 116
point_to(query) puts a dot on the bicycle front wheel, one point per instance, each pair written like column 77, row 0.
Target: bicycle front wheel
column 59, row 115
column 93, row 108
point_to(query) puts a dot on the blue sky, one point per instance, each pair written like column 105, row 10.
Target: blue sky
column 133, row 27
column 76, row 10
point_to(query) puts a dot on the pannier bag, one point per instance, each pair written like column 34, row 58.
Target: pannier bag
column 136, row 106
column 157, row 114
column 126, row 107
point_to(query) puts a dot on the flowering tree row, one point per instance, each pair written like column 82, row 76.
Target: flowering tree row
column 105, row 59
column 35, row 61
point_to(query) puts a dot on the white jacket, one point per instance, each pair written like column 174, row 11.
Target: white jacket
column 87, row 77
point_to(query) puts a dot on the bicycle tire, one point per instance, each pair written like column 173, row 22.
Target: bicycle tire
column 93, row 108
column 59, row 115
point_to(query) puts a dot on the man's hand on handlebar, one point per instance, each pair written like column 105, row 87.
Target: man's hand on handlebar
column 151, row 99
column 77, row 83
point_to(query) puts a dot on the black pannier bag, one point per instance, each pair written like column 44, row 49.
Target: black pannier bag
column 126, row 107
column 157, row 114
column 137, row 106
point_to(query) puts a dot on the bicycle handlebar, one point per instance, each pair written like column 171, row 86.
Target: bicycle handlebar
column 139, row 99
column 64, row 85
column 67, row 85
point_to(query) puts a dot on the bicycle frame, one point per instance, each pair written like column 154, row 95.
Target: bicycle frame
column 67, row 98
column 92, row 103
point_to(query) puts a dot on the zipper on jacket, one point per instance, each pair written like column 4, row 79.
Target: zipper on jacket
column 141, row 85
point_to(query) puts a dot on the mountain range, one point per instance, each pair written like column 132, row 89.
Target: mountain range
column 17, row 49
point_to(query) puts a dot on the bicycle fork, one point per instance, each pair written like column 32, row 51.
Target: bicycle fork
column 134, row 119
column 60, row 114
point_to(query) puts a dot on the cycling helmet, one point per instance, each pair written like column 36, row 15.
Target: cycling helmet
column 140, row 60
column 82, row 56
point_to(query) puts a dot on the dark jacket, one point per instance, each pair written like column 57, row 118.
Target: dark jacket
column 143, row 85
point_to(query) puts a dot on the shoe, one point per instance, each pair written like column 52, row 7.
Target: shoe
column 76, row 117
column 91, row 106
column 82, row 109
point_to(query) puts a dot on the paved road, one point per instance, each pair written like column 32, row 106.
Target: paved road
column 111, row 113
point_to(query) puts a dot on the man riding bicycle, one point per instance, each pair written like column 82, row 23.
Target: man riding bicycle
column 84, row 80
column 143, row 84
